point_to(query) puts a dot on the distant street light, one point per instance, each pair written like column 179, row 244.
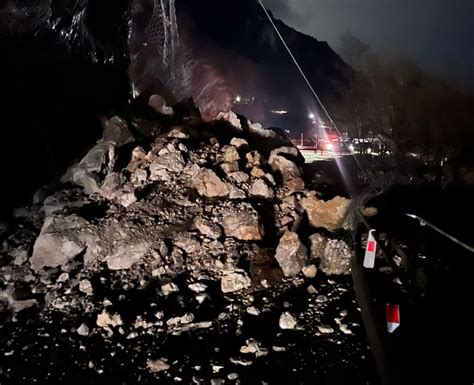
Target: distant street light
column 238, row 99
column 311, row 116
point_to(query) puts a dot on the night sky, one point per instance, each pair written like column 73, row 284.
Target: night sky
column 437, row 34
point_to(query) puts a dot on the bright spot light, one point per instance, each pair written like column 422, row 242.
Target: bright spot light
column 279, row 112
column 369, row 151
column 330, row 147
column 351, row 147
column 311, row 116
column 238, row 99
column 287, row 131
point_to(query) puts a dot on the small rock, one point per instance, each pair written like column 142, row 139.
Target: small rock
column 345, row 329
column 197, row 287
column 310, row 271
column 169, row 288
column 207, row 228
column 232, row 376
column 311, row 289
column 234, row 282
column 104, row 320
column 324, row 329
column 287, row 321
column 83, row 330
column 253, row 311
column 321, row 298
column 158, row 103
column 157, row 366
column 370, row 212
column 85, row 287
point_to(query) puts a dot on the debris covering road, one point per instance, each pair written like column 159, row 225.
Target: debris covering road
column 197, row 256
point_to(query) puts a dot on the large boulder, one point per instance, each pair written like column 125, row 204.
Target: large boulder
column 260, row 189
column 125, row 256
column 91, row 170
column 335, row 255
column 209, row 185
column 242, row 222
column 291, row 254
column 116, row 130
column 331, row 215
column 59, row 242
column 289, row 172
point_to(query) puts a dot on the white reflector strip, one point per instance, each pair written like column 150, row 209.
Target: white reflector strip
column 370, row 251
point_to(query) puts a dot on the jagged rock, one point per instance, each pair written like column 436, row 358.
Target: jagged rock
column 260, row 189
column 158, row 103
column 331, row 215
column 239, row 143
column 229, row 168
column 257, row 129
column 83, row 330
column 157, row 366
column 234, row 282
column 137, row 159
column 239, row 177
column 291, row 254
column 209, row 185
column 289, row 172
column 176, row 133
column 242, row 222
column 173, row 162
column 231, row 118
column 126, row 255
column 87, row 174
column 254, row 159
column 236, row 193
column 318, row 244
column 105, row 320
column 85, row 287
column 112, row 184
column 207, row 228
column 188, row 243
column 335, row 255
column 229, row 154
column 58, row 242
column 257, row 172
column 116, row 130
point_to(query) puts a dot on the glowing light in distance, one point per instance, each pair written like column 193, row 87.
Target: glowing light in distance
column 279, row 112
column 311, row 116
column 238, row 99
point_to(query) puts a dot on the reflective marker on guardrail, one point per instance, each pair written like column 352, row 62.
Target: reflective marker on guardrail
column 393, row 317
column 371, row 249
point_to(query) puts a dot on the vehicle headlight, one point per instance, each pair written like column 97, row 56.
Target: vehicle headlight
column 351, row 147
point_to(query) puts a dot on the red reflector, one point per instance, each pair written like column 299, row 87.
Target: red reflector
column 371, row 246
column 393, row 313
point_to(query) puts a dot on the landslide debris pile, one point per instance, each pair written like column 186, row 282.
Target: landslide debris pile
column 170, row 208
